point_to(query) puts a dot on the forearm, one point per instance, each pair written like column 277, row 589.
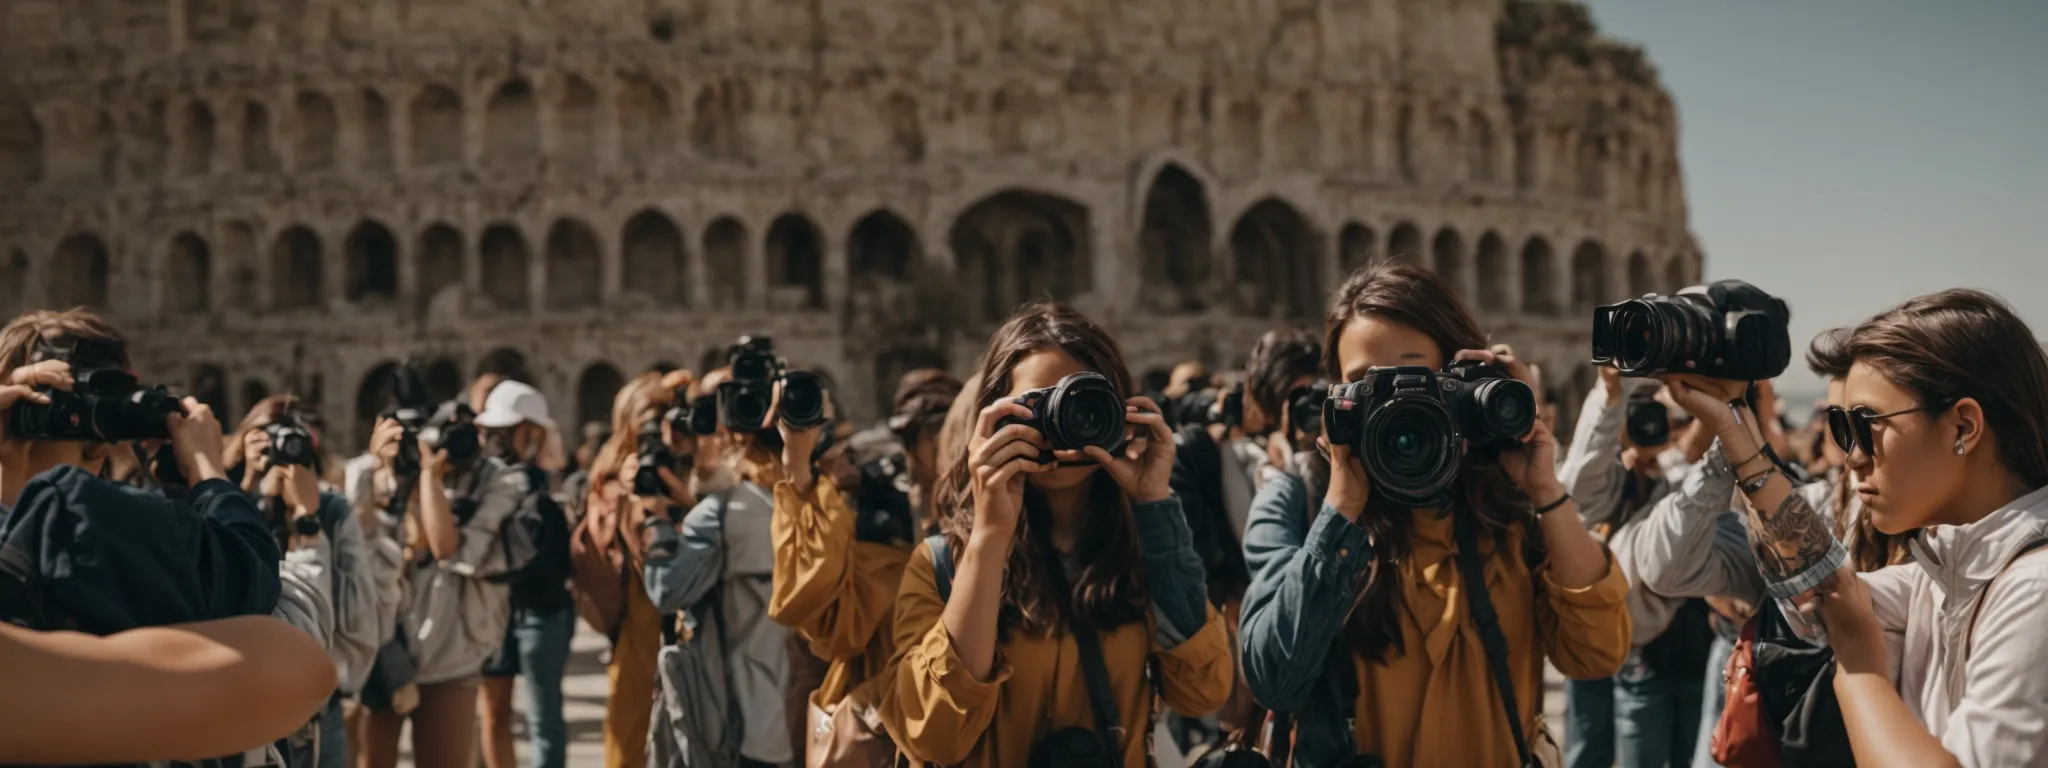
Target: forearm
column 1796, row 551
column 1592, row 469
column 1882, row 731
column 437, row 518
column 1576, row 558
column 1302, row 588
column 977, row 599
column 1174, row 576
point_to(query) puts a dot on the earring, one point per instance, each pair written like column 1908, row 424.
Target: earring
column 1959, row 446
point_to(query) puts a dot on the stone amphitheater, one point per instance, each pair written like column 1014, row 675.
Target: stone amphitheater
column 290, row 195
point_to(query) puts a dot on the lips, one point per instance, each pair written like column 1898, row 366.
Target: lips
column 1866, row 490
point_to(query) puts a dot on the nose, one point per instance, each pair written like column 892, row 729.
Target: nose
column 1858, row 457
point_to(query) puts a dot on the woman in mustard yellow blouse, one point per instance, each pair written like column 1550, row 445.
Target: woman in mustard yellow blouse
column 992, row 675
column 1357, row 618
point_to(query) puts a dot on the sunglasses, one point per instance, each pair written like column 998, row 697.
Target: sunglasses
column 1850, row 427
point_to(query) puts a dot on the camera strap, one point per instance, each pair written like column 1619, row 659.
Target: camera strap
column 1108, row 722
column 1472, row 570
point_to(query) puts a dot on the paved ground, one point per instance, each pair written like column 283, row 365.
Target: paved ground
column 584, row 692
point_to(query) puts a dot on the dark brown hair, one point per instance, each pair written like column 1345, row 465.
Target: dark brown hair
column 1419, row 299
column 18, row 339
column 1828, row 355
column 1110, row 590
column 1278, row 359
column 923, row 381
column 1961, row 343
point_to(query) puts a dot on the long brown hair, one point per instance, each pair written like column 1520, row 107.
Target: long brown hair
column 1869, row 548
column 636, row 402
column 1419, row 299
column 1109, row 589
column 1961, row 343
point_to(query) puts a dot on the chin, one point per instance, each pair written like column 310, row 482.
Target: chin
column 1887, row 518
column 1062, row 478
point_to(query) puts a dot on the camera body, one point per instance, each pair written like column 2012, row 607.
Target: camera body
column 1647, row 422
column 105, row 405
column 291, row 444
column 1305, row 408
column 744, row 401
column 1083, row 409
column 1726, row 329
column 652, row 455
column 1211, row 406
column 1410, row 424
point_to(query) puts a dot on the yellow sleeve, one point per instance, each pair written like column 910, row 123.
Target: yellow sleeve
column 1586, row 631
column 1196, row 677
column 935, row 710
column 833, row 589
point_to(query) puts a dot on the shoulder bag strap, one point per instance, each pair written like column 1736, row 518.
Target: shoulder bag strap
column 1970, row 630
column 942, row 565
column 1472, row 570
column 1108, row 722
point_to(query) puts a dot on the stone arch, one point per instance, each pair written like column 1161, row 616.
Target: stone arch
column 796, row 260
column 436, row 127
column 21, row 144
column 1357, row 247
column 575, row 266
column 1589, row 277
column 253, row 391
column 656, row 262
column 1480, row 145
column 1275, row 254
column 512, row 125
column 373, row 395
column 1404, row 143
column 440, row 260
column 725, row 263
column 506, row 263
column 210, row 387
column 595, row 388
column 882, row 247
column 372, row 262
column 188, row 276
column 1639, row 280
column 1018, row 245
column 1447, row 253
column 1298, row 133
column 295, row 269
column 1491, row 267
column 906, row 130
column 259, row 148
column 238, row 255
column 1678, row 273
column 80, row 274
column 1404, row 245
column 715, row 130
column 195, row 130
column 14, row 287
column 318, row 131
column 376, row 129
column 1539, row 278
column 507, row 362
column 1175, row 241
column 644, row 117
column 577, row 124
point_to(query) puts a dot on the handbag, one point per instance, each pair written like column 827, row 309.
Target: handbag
column 848, row 735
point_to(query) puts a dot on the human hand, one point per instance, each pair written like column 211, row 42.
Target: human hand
column 21, row 386
column 1533, row 465
column 434, row 464
column 797, row 442
column 1843, row 603
column 384, row 440
column 1706, row 399
column 1503, row 356
column 196, row 441
column 1350, row 488
column 1610, row 382
column 999, row 460
column 1145, row 470
column 300, row 488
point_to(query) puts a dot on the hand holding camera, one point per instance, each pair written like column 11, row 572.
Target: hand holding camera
column 1005, row 448
column 1705, row 398
column 800, row 436
column 196, row 441
column 1530, row 459
column 1144, row 468
column 1410, row 427
column 22, row 386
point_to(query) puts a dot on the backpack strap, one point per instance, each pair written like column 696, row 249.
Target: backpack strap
column 1472, row 570
column 942, row 565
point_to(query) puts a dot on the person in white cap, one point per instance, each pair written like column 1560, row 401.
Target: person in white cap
column 517, row 429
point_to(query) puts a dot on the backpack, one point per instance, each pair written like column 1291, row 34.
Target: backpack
column 597, row 566
column 697, row 721
column 541, row 529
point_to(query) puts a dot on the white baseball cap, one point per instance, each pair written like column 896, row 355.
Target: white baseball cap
column 511, row 404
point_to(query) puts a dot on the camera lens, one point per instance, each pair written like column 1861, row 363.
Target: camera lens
column 704, row 415
column 1507, row 409
column 1410, row 448
column 1085, row 410
column 460, row 441
column 803, row 400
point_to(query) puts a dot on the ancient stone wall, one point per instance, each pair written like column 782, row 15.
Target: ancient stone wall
column 303, row 191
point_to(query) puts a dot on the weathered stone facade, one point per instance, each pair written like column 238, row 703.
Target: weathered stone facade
column 301, row 191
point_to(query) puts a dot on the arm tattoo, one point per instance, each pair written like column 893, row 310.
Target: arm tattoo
column 1790, row 540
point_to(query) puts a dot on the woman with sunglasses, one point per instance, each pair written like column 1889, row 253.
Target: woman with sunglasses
column 1945, row 429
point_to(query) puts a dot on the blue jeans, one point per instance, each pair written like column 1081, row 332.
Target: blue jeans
column 537, row 646
column 1714, row 696
column 333, row 736
column 1636, row 719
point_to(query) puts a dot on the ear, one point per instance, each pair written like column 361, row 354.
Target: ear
column 1965, row 424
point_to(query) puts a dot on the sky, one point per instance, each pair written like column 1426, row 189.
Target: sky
column 1849, row 154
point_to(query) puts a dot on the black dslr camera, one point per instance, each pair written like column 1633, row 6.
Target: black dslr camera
column 1084, row 409
column 1726, row 329
column 653, row 454
column 451, row 427
column 1210, row 406
column 291, row 444
column 1409, row 424
column 743, row 402
column 1305, row 408
column 1647, row 422
column 106, row 405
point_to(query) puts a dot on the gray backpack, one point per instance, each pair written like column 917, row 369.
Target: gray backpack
column 697, row 722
